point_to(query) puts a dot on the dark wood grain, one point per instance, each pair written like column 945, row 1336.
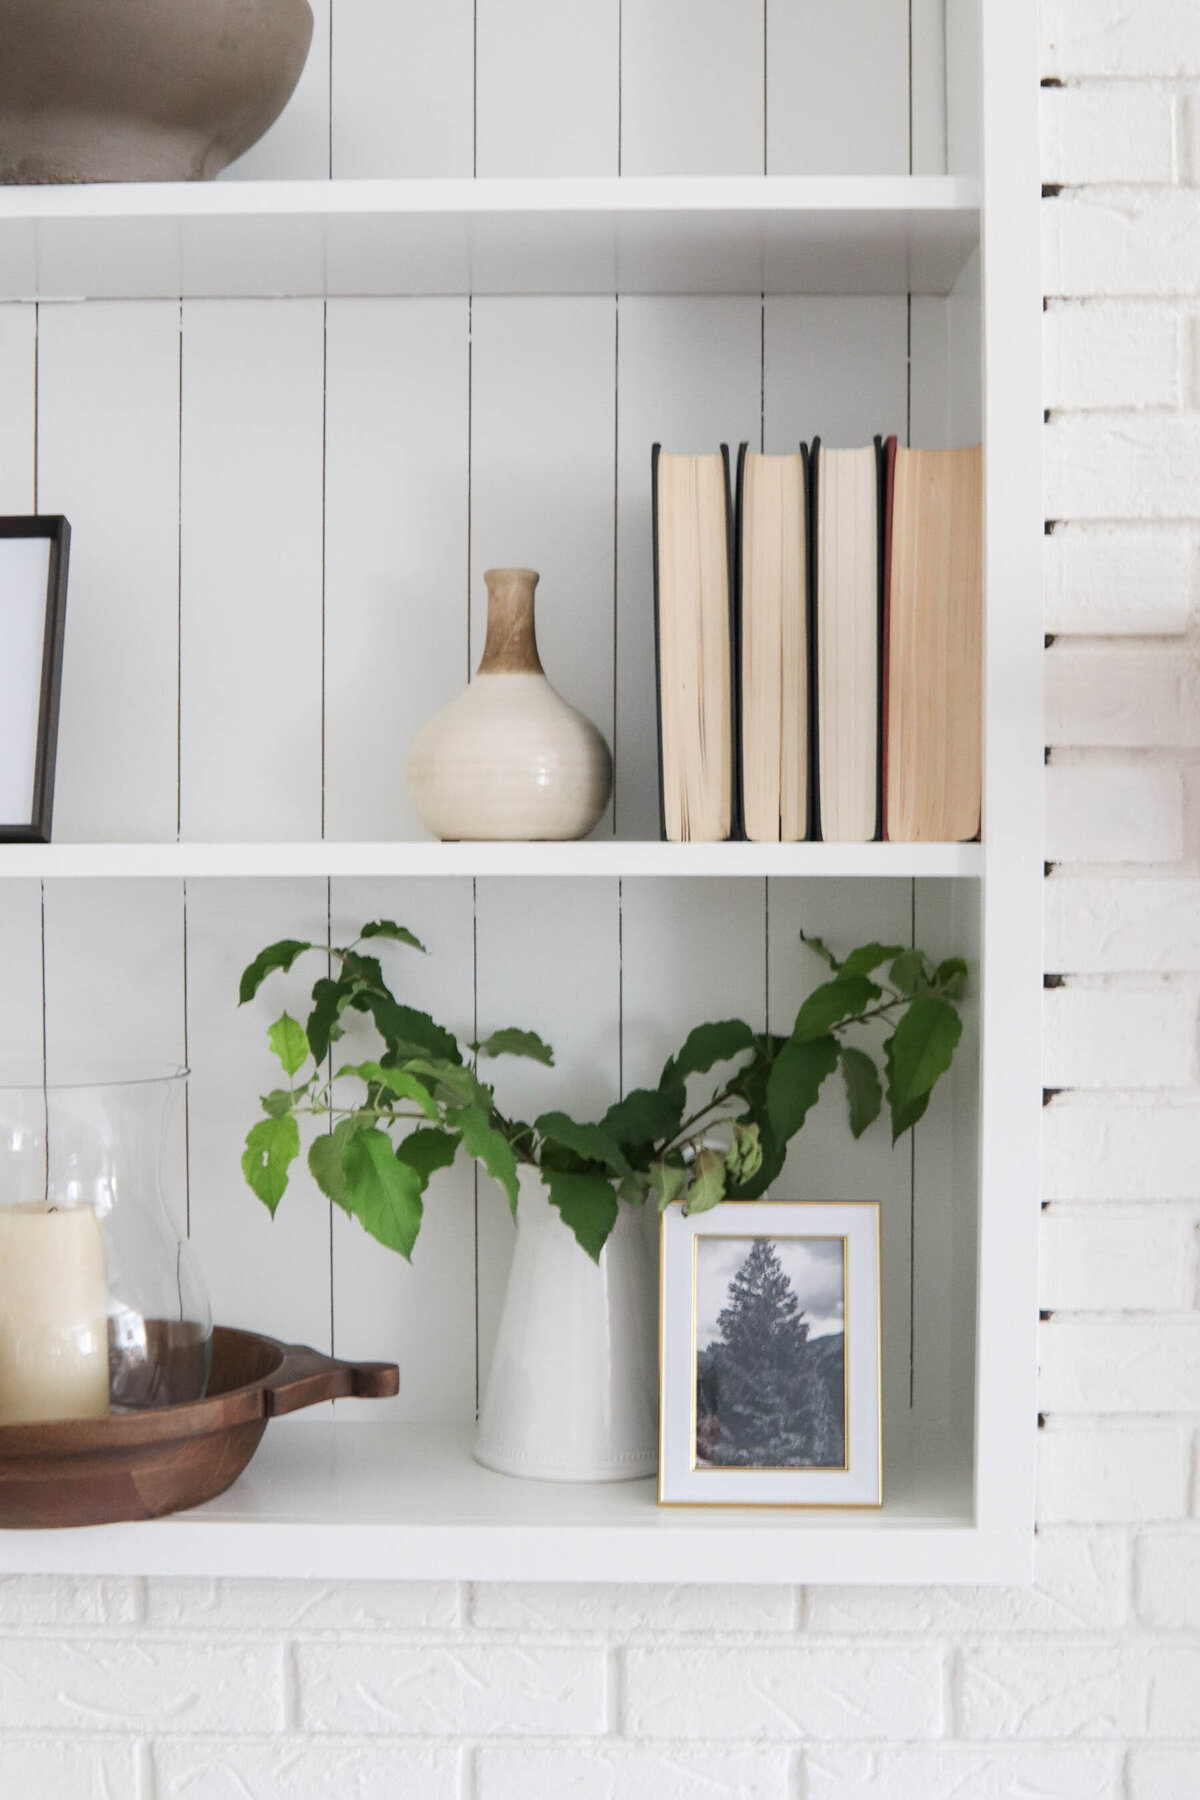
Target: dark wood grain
column 140, row 1465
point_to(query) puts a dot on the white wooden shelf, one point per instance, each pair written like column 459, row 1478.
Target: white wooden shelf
column 632, row 235
column 604, row 857
column 359, row 1500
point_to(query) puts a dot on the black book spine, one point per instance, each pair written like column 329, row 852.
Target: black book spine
column 662, row 802
column 812, row 463
column 733, row 549
column 881, row 513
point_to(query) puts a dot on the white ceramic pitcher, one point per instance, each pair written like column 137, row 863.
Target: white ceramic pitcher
column 573, row 1389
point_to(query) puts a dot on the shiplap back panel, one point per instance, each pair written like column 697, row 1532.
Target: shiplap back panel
column 108, row 457
column 298, row 143
column 251, row 533
column 834, row 104
column 824, row 1162
column 273, row 584
column 421, row 1315
column 18, row 401
column 547, row 87
column 640, row 87
column 689, row 375
column 547, row 960
column 397, row 482
column 23, row 1045
column 402, row 85
column 692, row 87
column 271, row 1275
column 543, row 402
column 835, row 369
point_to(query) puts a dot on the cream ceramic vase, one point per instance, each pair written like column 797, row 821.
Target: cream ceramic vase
column 573, row 1389
column 509, row 758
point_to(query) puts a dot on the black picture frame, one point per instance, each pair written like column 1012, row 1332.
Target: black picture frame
column 35, row 829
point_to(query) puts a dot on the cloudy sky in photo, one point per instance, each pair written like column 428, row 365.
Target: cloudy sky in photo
column 814, row 1266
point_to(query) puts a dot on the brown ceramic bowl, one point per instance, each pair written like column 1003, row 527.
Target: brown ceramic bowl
column 142, row 90
column 143, row 1464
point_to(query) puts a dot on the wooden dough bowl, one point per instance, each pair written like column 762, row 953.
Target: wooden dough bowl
column 141, row 1465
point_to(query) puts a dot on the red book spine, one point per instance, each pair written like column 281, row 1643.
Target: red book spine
column 889, row 452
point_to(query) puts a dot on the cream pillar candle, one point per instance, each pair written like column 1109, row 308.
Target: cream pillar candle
column 53, row 1315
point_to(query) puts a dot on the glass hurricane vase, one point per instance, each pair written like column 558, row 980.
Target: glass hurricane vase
column 102, row 1306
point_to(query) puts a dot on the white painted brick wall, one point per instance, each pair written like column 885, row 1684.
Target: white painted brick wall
column 1116, row 580
column 1085, row 1686
column 1098, row 811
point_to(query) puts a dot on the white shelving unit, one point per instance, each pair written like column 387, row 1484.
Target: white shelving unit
column 611, row 858
column 647, row 235
column 292, row 422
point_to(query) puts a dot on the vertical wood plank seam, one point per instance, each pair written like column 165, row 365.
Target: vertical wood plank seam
column 620, row 90
column 474, row 88
column 475, row 1165
column 767, row 953
column 324, row 529
column 179, row 594
column 37, row 376
column 187, row 1063
column 42, row 946
column 910, row 86
column 766, row 84
column 329, row 1203
column 909, row 373
column 329, row 99
column 620, row 989
column 616, row 542
column 912, row 1200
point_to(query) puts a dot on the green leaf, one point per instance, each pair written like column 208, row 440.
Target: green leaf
column 365, row 972
column 428, row 1149
column 406, row 1031
column 330, row 1000
column 909, row 972
column 706, row 1045
column 326, row 1158
column 917, row 1054
column 511, row 1042
column 634, row 1188
column 289, row 1043
column 744, row 1156
column 842, row 998
column 271, row 1147
column 708, row 1182
column 951, row 977
column 867, row 958
column 488, row 1146
column 276, row 956
column 453, row 1083
column 383, row 1193
column 277, row 1102
column 668, row 1181
column 587, row 1204
column 795, row 1081
column 821, row 949
column 397, row 934
column 591, row 1142
column 645, row 1116
column 398, row 1082
column 863, row 1092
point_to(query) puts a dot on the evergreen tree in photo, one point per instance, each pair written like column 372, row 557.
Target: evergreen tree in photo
column 779, row 1394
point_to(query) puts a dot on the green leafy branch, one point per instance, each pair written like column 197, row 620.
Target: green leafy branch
column 412, row 1106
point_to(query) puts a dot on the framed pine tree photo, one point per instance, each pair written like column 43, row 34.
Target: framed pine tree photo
column 770, row 1355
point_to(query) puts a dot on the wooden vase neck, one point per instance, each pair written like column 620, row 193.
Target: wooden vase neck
column 511, row 646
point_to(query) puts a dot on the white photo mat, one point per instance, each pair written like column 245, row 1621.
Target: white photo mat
column 826, row 1254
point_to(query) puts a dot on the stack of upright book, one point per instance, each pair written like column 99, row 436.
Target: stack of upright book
column 819, row 644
